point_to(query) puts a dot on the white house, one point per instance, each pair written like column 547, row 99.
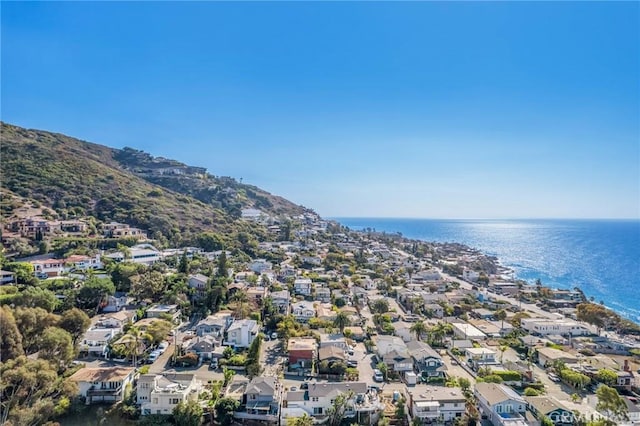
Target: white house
column 303, row 311
column 480, row 357
column 117, row 301
column 96, row 341
column 103, row 384
column 215, row 325
column 159, row 394
column 436, row 404
column 394, row 352
column 6, row 277
column 318, row 400
column 260, row 265
column 462, row 330
column 281, row 300
column 144, row 254
column 501, row 404
column 545, row 327
column 303, row 286
column 242, row 333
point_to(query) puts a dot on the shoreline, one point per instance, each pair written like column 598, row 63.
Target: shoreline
column 505, row 270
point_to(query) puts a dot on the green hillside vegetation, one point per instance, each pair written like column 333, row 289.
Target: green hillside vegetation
column 78, row 179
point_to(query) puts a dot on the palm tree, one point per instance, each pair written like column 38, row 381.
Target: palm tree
column 341, row 321
column 419, row 328
column 500, row 315
column 502, row 349
column 133, row 342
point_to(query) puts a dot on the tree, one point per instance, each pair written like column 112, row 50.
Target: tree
column 209, row 241
column 383, row 369
column 338, row 408
column 222, row 270
column 611, row 404
column 502, row 348
column 183, row 266
column 228, row 375
column 10, row 337
column 23, row 272
column 31, row 391
column 380, row 306
column 94, row 292
column 122, row 273
column 240, row 298
column 419, row 328
column 150, row 285
column 159, row 330
column 37, row 297
column 133, row 343
column 188, row 414
column 225, row 407
column 305, row 420
column 500, row 315
column 56, row 345
column 75, row 322
column 341, row 321
column 606, row 376
column 31, row 323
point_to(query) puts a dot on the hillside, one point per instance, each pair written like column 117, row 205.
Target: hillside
column 77, row 178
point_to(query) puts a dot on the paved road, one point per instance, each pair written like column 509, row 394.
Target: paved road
column 272, row 357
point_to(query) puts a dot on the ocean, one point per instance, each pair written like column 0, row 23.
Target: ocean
column 602, row 257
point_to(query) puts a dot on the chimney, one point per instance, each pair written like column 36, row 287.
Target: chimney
column 626, row 365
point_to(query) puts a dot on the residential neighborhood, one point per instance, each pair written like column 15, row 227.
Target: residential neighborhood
column 336, row 327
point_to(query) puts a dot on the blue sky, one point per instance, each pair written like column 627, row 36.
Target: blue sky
column 436, row 110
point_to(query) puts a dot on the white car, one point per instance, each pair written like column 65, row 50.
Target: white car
column 378, row 376
column 274, row 335
column 163, row 346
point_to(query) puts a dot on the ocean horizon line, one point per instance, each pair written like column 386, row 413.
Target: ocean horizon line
column 610, row 219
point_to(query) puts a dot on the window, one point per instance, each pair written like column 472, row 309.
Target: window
column 253, row 396
column 314, row 399
column 174, row 401
column 317, row 410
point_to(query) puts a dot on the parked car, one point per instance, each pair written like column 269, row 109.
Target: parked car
column 274, row 335
column 153, row 356
column 553, row 377
column 352, row 363
column 213, row 365
column 378, row 376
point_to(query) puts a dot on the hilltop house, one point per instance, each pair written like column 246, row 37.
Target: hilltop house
column 303, row 286
column 303, row 311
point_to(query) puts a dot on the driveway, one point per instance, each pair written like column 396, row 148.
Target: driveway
column 271, row 357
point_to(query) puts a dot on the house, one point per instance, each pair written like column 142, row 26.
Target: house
column 480, row 357
column 325, row 312
column 214, row 325
column 119, row 300
column 83, row 263
column 103, row 384
column 49, row 267
column 323, row 294
column 625, row 380
column 633, row 409
column 144, row 254
column 302, row 286
column 159, row 394
column 242, row 333
column 303, row 311
column 435, row 404
column 262, row 399
column 95, row 341
column 198, row 283
column 467, row 331
column 7, row 277
column 360, row 295
column 281, row 300
column 158, row 311
column 260, row 265
column 318, row 400
column 337, row 340
column 331, row 354
column 357, row 333
column 547, row 356
column 201, row 346
column 119, row 230
column 394, row 352
column 257, row 294
column 545, row 327
column 435, row 309
column 116, row 319
column 548, row 406
column 426, row 361
column 501, row 405
column 302, row 351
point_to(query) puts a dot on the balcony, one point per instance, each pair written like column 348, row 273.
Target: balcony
column 104, row 391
